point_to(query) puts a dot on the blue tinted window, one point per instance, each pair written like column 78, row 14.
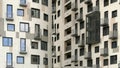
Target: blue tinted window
column 20, row 60
column 20, row 12
column 22, row 1
column 11, row 27
column 9, row 59
column 22, row 44
column 9, row 11
column 7, row 41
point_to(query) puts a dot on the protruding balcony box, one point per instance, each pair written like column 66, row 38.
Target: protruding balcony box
column 96, row 66
column 74, row 6
column 88, row 55
column 23, row 52
column 81, row 44
column 44, row 38
column 54, row 9
column 95, row 8
column 74, row 32
column 67, row 48
column 54, row 54
column 80, row 17
column 104, row 22
column 37, row 35
column 53, row 31
column 23, row 3
column 9, row 16
column 9, row 66
column 113, row 34
column 88, row 2
column 74, row 58
column 104, row 52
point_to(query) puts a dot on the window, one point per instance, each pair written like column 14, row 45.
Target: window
column 105, row 63
column 34, row 45
column 58, row 13
column 115, row 26
column 81, row 1
column 105, row 44
column 20, row 12
column 54, row 60
column 114, row 13
column 114, row 44
column 57, row 26
column 45, row 17
column 35, row 59
column 68, row 19
column 45, row 61
column 89, row 8
column 43, row 45
column 81, row 51
column 24, row 27
column 22, row 1
column 36, row 1
column 105, row 31
column 20, row 60
column 96, row 49
column 10, row 27
column 113, row 59
column 22, row 44
column 89, row 62
column 7, row 41
column 82, row 25
column 58, row 48
column 9, row 11
column 106, row 2
column 45, row 2
column 45, row 32
column 81, row 63
column 58, row 2
column 35, row 13
column 9, row 59
column 112, row 1
column 58, row 36
column 58, row 59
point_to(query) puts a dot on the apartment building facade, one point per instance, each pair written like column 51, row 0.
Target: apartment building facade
column 24, row 34
column 85, row 33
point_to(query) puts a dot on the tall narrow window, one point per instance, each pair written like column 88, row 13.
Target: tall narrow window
column 43, row 45
column 45, row 17
column 9, row 59
column 22, row 45
column 9, row 11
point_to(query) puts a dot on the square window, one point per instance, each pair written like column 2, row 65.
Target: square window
column 20, row 60
column 114, row 44
column 96, row 49
column 22, row 1
column 45, row 61
column 7, row 41
column 20, row 12
column 35, row 59
column 35, row 13
column 24, row 27
column 34, row 45
column 10, row 27
column 113, row 59
column 114, row 13
column 45, row 2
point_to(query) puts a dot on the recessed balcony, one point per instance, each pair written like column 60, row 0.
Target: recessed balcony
column 88, row 55
column 104, row 52
column 113, row 34
column 104, row 22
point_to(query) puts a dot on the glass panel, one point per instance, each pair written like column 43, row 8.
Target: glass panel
column 9, row 59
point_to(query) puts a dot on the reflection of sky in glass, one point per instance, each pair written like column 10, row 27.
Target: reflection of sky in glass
column 9, row 59
column 9, row 11
column 20, row 60
column 11, row 27
column 23, row 1
column 22, row 45
column 7, row 41
column 20, row 12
